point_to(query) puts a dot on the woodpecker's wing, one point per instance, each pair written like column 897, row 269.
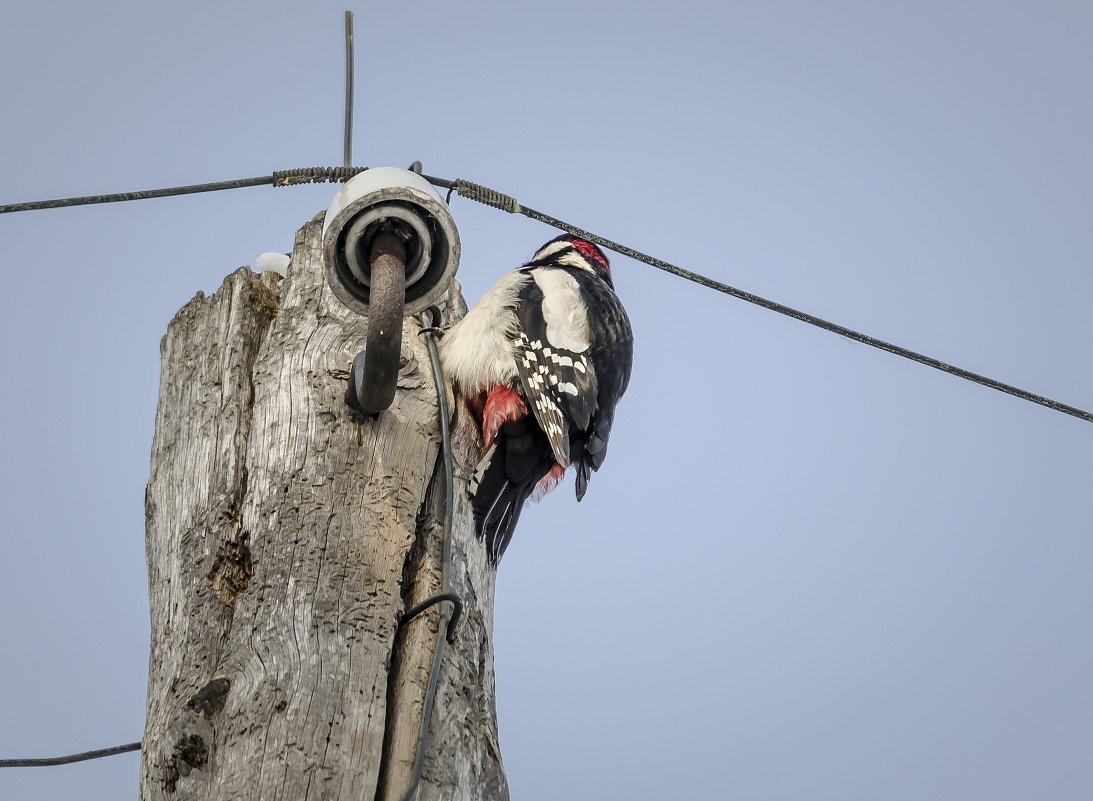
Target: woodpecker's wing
column 610, row 357
column 557, row 377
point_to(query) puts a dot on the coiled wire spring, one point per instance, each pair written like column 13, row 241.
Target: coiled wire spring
column 315, row 175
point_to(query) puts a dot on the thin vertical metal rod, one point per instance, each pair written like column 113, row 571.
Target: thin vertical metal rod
column 347, row 149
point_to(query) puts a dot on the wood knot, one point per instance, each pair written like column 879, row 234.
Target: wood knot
column 211, row 698
column 232, row 570
column 190, row 752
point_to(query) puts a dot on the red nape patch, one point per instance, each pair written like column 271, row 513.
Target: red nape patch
column 590, row 251
column 502, row 405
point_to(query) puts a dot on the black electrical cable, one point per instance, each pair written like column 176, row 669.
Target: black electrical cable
column 448, row 618
column 429, row 603
column 499, row 200
column 49, row 762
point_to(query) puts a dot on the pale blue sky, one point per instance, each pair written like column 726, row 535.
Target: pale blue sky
column 808, row 570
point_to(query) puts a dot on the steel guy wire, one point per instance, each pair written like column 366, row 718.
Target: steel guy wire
column 294, row 177
column 499, row 200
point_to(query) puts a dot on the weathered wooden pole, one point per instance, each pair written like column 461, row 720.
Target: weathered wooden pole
column 286, row 537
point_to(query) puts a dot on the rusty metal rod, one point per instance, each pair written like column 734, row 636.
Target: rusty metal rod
column 386, row 309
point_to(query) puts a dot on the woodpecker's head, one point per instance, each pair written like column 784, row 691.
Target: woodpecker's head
column 572, row 251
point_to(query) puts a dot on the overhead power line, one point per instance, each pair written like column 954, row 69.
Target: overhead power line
column 499, row 200
column 49, row 762
column 295, row 177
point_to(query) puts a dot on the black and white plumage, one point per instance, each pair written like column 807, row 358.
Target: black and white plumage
column 541, row 361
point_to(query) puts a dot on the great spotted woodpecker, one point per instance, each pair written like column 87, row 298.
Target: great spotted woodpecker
column 541, row 362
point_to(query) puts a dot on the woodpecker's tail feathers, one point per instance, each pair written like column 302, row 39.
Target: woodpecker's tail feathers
column 517, row 462
column 584, row 472
column 500, row 522
column 497, row 504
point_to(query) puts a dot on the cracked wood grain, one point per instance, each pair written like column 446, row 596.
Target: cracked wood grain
column 286, row 536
